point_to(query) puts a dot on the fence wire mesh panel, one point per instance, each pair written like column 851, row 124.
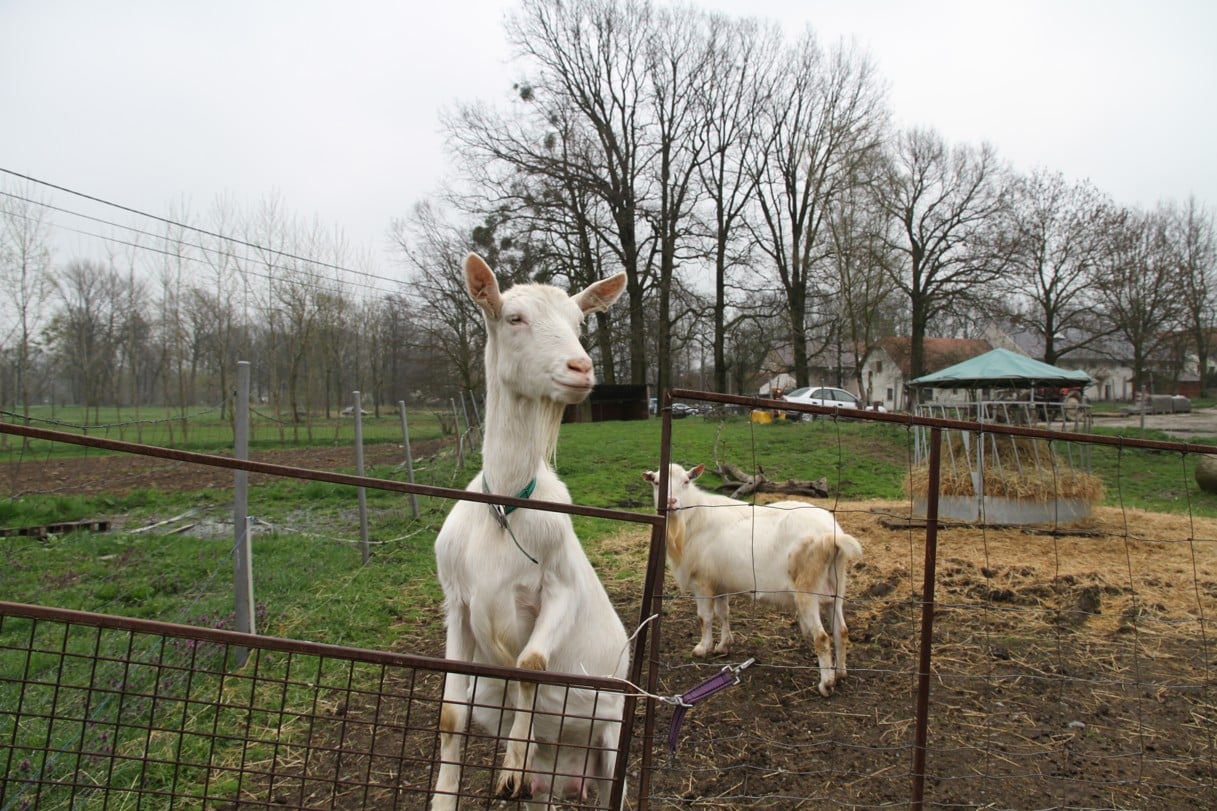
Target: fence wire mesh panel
column 106, row 712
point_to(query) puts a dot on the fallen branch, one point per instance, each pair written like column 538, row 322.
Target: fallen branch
column 741, row 483
column 161, row 523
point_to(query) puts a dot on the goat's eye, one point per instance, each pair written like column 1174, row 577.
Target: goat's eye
column 515, row 318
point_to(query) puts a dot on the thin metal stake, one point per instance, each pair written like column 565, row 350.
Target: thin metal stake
column 363, row 493
column 243, row 577
column 405, row 439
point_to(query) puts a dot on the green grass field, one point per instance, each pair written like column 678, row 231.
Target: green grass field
column 207, row 430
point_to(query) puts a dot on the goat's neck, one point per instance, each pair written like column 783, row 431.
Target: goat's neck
column 519, row 436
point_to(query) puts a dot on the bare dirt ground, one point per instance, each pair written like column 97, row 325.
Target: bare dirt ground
column 1070, row 670
column 122, row 473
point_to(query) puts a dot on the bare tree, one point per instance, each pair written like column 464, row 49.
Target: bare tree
column 745, row 56
column 219, row 293
column 823, row 120
column 863, row 289
column 943, row 205
column 1138, row 280
column 750, row 338
column 25, row 276
column 581, row 127
column 451, row 327
column 86, row 330
column 1056, row 230
column 680, row 63
column 1192, row 235
column 269, row 229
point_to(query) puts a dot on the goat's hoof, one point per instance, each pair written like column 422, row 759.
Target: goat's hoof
column 513, row 786
column 444, row 802
column 700, row 652
column 826, row 687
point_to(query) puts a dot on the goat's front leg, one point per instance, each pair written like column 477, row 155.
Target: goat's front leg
column 705, row 614
column 722, row 610
column 512, row 780
column 552, row 625
column 453, row 715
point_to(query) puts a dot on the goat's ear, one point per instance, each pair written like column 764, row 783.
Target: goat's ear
column 697, row 471
column 601, row 295
column 482, row 285
column 650, row 476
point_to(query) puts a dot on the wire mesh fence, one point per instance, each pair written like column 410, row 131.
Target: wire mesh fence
column 102, row 711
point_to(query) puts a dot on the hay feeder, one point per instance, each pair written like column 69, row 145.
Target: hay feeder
column 999, row 478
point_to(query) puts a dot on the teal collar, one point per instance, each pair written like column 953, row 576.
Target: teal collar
column 500, row 513
column 507, row 510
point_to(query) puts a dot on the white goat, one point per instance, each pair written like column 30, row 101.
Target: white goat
column 790, row 553
column 518, row 588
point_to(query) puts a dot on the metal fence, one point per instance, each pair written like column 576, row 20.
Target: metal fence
column 972, row 685
column 100, row 711
column 105, row 711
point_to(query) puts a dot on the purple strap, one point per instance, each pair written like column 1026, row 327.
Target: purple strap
column 721, row 680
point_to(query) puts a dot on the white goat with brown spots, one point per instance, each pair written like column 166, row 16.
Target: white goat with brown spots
column 790, row 553
column 518, row 588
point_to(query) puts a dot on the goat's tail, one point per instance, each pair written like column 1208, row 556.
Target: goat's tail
column 849, row 550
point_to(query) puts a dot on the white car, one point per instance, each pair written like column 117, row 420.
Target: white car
column 826, row 396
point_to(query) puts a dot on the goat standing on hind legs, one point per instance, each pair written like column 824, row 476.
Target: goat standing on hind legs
column 519, row 590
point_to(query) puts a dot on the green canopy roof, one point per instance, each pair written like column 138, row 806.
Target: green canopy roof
column 1001, row 367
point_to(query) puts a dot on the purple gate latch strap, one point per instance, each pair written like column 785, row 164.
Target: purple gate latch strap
column 684, row 702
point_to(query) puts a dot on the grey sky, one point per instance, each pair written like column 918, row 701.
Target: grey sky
column 334, row 106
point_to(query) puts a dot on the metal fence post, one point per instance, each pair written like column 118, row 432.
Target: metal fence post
column 925, row 659
column 243, row 577
column 460, row 438
column 363, row 493
column 468, row 423
column 405, row 438
column 476, row 414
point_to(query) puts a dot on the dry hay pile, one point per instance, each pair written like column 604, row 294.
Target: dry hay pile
column 1015, row 467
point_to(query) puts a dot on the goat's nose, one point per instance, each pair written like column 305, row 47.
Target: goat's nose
column 581, row 365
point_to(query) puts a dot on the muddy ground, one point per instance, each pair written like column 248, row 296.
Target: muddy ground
column 122, row 473
column 1070, row 670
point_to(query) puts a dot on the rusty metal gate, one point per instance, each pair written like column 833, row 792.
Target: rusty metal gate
column 101, row 711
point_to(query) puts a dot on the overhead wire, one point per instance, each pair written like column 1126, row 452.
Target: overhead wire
column 277, row 255
column 242, row 261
